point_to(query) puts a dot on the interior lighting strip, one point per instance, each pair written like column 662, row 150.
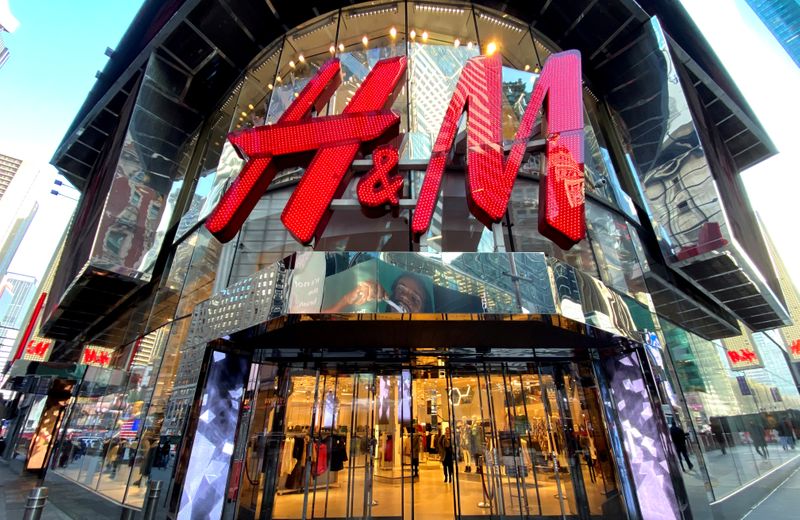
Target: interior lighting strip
column 325, row 22
column 433, row 8
column 369, row 11
column 506, row 24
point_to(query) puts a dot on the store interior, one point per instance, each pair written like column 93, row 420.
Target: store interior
column 525, row 440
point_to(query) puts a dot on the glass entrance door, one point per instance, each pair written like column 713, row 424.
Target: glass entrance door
column 433, row 440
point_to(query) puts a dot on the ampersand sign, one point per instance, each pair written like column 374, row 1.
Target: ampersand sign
column 381, row 185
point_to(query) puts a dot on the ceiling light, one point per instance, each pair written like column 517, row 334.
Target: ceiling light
column 332, row 49
column 244, row 114
column 424, row 36
column 469, row 45
column 491, row 48
column 527, row 67
column 291, row 63
column 413, row 34
column 301, row 59
column 365, row 40
column 250, row 106
column 341, row 47
column 393, row 32
column 457, row 43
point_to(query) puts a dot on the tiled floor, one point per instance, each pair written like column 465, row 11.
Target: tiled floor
column 14, row 489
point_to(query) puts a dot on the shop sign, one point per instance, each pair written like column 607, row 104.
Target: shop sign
column 794, row 350
column 37, row 349
column 743, row 358
column 326, row 147
column 96, row 356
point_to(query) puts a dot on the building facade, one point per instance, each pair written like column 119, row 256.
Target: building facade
column 782, row 18
column 326, row 293
column 8, row 165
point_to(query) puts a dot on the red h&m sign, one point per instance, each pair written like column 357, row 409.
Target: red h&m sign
column 96, row 356
column 327, row 146
column 37, row 349
column 744, row 358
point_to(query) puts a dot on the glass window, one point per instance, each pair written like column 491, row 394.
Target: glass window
column 614, row 250
column 156, row 450
column 93, row 430
column 523, row 212
column 263, row 239
column 202, row 272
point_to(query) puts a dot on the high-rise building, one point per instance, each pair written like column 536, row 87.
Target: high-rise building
column 16, row 292
column 791, row 333
column 782, row 18
column 9, row 166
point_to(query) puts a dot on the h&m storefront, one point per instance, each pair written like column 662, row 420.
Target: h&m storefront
column 406, row 259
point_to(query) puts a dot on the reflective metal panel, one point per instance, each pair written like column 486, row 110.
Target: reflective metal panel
column 414, row 286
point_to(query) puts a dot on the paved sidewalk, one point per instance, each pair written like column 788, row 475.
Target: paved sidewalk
column 780, row 503
column 14, row 491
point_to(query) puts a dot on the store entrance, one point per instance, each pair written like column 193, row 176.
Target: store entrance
column 428, row 439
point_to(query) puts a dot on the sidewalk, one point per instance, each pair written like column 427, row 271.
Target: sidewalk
column 781, row 503
column 14, row 491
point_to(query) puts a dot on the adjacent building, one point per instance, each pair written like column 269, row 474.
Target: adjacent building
column 782, row 18
column 9, row 166
column 312, row 274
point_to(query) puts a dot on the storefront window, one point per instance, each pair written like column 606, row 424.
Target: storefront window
column 441, row 441
column 157, row 448
column 94, row 420
column 736, row 416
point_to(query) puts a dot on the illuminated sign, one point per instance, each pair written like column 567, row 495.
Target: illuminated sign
column 37, row 349
column 327, row 146
column 96, row 356
column 743, row 358
column 794, row 350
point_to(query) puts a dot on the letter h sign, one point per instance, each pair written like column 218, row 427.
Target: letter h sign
column 328, row 145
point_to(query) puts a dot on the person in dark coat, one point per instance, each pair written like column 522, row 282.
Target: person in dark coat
column 445, row 449
column 679, row 441
column 758, row 438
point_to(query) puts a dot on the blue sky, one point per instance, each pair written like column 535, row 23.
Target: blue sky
column 59, row 46
column 55, row 53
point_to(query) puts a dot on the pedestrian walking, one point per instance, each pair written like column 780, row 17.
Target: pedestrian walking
column 679, row 441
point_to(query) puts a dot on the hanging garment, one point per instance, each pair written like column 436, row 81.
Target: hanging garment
column 286, row 456
column 322, row 460
column 295, row 478
column 388, row 449
column 338, row 452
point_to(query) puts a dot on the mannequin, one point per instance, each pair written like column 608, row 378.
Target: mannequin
column 464, row 435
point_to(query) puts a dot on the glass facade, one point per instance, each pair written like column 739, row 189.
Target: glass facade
column 739, row 417
column 476, row 372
